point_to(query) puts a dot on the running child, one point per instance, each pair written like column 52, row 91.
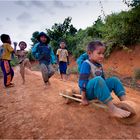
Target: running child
column 43, row 52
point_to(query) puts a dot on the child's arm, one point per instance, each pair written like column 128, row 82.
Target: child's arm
column 57, row 58
column 9, row 48
column 68, row 60
column 57, row 55
column 83, row 80
column 53, row 58
column 67, row 57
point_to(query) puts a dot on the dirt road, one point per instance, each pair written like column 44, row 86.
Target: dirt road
column 32, row 111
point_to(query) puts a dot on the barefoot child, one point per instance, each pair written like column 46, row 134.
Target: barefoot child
column 93, row 83
column 44, row 54
column 63, row 60
column 6, row 68
column 23, row 60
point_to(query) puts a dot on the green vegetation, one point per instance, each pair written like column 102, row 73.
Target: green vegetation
column 137, row 74
column 118, row 30
column 14, row 61
column 72, row 70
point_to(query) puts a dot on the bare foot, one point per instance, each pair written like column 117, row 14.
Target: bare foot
column 47, row 84
column 85, row 102
column 119, row 113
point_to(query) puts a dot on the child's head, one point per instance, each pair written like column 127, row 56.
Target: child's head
column 43, row 38
column 62, row 44
column 95, row 50
column 5, row 38
column 22, row 45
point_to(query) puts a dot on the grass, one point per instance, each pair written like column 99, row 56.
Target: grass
column 137, row 74
column 72, row 70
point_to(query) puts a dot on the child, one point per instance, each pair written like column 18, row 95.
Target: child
column 23, row 60
column 93, row 83
column 63, row 60
column 5, row 60
column 45, row 55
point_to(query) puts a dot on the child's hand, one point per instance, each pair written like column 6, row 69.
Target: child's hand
column 15, row 44
column 85, row 102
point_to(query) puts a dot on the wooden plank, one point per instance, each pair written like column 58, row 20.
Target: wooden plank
column 70, row 97
column 96, row 103
column 77, row 95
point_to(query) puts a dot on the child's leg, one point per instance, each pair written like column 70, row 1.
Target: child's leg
column 51, row 70
column 12, row 73
column 61, row 69
column 65, row 70
column 22, row 72
column 117, row 112
column 114, row 84
column 5, row 66
column 27, row 63
column 44, row 71
column 97, row 88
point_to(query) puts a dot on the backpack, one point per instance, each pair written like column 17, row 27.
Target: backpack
column 1, row 51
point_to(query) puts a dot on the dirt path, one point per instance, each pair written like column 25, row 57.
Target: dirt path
column 31, row 111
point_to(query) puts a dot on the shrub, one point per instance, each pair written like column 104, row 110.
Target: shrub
column 14, row 61
column 72, row 70
column 137, row 73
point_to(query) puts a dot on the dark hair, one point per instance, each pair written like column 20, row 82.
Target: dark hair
column 22, row 42
column 43, row 34
column 5, row 38
column 93, row 45
column 62, row 40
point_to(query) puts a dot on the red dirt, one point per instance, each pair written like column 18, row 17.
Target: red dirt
column 34, row 112
column 124, row 62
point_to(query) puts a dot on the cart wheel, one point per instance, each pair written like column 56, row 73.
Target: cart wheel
column 131, row 107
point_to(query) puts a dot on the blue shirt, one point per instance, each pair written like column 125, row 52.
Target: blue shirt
column 43, row 53
column 85, row 73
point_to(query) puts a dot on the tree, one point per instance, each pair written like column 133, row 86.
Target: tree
column 132, row 3
column 34, row 37
column 61, row 31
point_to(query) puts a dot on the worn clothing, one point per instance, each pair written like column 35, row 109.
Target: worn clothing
column 22, row 55
column 101, row 89
column 93, row 82
column 43, row 53
column 87, row 72
column 8, row 72
column 62, row 67
column 7, row 51
column 47, row 71
column 62, row 55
